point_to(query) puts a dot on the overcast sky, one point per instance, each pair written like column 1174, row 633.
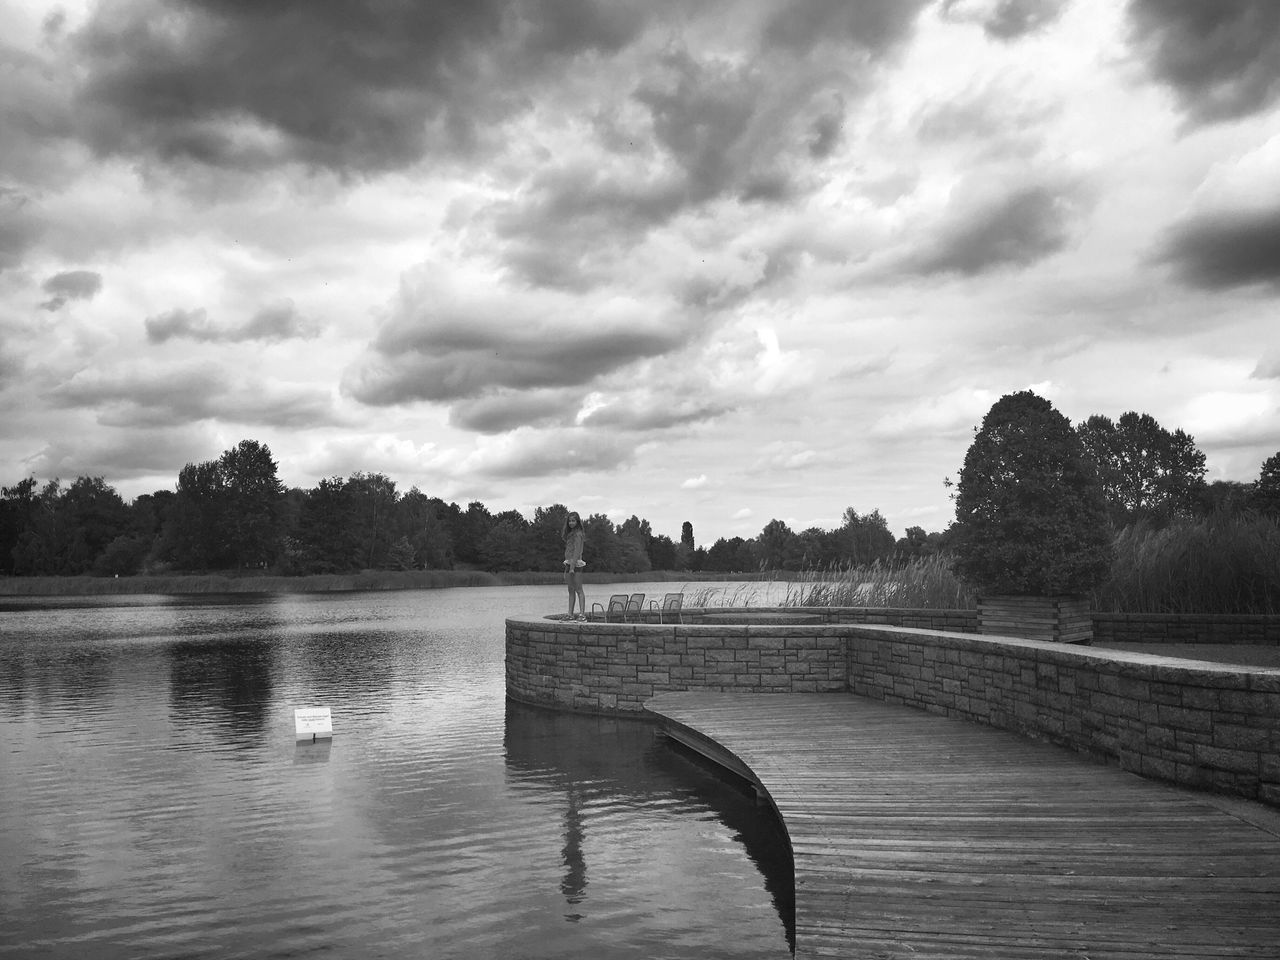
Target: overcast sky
column 721, row 262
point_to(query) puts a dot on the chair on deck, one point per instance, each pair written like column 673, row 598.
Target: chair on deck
column 617, row 609
column 635, row 606
column 670, row 607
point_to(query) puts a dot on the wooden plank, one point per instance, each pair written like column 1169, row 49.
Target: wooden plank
column 920, row 836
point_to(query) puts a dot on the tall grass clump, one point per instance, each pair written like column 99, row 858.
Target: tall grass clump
column 1226, row 563
column 920, row 583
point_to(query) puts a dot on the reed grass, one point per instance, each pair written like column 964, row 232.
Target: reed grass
column 1226, row 563
column 921, row 583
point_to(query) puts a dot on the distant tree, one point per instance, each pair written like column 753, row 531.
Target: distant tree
column 474, row 527
column 95, row 516
column 865, row 539
column 662, row 553
column 1266, row 492
column 195, row 534
column 686, row 546
column 418, row 520
column 371, row 501
column 778, row 547
column 547, row 536
column 1224, row 496
column 1147, row 472
column 326, row 539
column 252, row 499
column 731, row 556
column 18, row 505
column 1030, row 510
column 506, row 545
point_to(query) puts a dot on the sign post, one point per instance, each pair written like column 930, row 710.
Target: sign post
column 312, row 724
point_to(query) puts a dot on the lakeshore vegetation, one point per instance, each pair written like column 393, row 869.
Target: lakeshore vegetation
column 1179, row 544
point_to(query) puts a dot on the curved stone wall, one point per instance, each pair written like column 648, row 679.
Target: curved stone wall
column 1204, row 725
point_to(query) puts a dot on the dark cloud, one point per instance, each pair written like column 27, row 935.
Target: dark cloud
column 874, row 27
column 328, row 83
column 448, row 359
column 19, row 226
column 70, row 285
column 1268, row 367
column 506, row 410
column 710, row 130
column 1013, row 230
column 1221, row 58
column 172, row 396
column 274, row 323
column 1227, row 249
column 1007, row 19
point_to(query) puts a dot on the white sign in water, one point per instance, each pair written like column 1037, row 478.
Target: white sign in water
column 312, row 723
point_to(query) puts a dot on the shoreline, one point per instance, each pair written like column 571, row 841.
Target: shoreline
column 248, row 582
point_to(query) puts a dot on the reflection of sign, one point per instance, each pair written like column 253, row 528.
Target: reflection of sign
column 311, row 751
column 312, row 723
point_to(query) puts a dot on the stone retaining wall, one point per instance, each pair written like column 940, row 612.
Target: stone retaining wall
column 1202, row 725
column 618, row 666
column 1185, row 628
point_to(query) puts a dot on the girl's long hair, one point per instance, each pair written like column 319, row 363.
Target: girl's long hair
column 564, row 533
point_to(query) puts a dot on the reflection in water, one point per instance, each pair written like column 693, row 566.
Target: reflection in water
column 155, row 803
column 574, row 884
column 598, row 764
column 233, row 678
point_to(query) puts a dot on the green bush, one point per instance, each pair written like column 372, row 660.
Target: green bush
column 1030, row 510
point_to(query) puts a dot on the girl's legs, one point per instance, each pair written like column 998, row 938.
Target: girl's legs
column 573, row 591
column 582, row 596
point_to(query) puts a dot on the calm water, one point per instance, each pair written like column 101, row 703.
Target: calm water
column 153, row 802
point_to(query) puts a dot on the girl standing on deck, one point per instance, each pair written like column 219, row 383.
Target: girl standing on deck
column 574, row 536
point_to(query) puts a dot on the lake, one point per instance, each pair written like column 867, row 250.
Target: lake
column 154, row 804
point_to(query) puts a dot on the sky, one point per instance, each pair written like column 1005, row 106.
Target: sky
column 691, row 260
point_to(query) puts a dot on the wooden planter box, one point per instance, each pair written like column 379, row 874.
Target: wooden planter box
column 1064, row 619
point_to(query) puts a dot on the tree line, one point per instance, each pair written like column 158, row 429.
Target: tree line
column 234, row 513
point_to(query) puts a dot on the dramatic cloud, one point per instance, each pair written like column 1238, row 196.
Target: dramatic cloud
column 1230, row 236
column 19, row 226
column 155, row 397
column 1215, row 251
column 445, row 344
column 1011, row 230
column 1006, row 19
column 70, row 285
column 705, row 260
column 275, row 323
column 1222, row 59
column 347, row 86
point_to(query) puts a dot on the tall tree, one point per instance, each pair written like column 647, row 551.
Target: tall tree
column 252, row 495
column 1266, row 492
column 18, row 505
column 1147, row 472
column 778, row 547
column 195, row 535
column 1030, row 510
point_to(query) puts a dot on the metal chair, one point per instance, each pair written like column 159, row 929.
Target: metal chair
column 635, row 606
column 616, row 611
column 669, row 607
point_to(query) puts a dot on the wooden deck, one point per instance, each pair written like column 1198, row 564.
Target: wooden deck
column 919, row 836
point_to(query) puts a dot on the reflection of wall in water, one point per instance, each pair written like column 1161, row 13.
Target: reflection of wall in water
column 595, row 760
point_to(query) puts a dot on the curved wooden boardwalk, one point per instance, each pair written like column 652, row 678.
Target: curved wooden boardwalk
column 919, row 836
